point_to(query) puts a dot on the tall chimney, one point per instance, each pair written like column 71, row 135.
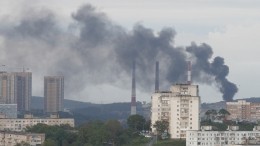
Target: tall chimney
column 189, row 73
column 156, row 77
column 133, row 98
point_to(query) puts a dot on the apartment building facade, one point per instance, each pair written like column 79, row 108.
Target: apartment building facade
column 16, row 88
column 21, row 124
column 232, row 137
column 243, row 110
column 179, row 106
column 8, row 138
column 53, row 93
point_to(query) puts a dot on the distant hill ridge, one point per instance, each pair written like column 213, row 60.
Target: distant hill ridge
column 85, row 111
column 38, row 103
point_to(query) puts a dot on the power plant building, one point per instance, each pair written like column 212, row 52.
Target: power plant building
column 16, row 88
column 53, row 93
column 179, row 106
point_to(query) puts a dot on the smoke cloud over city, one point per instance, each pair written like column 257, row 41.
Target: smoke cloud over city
column 92, row 49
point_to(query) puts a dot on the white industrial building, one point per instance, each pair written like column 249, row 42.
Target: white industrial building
column 21, row 124
column 179, row 106
column 232, row 137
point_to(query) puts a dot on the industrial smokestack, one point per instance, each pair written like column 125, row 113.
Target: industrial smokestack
column 156, row 77
column 133, row 97
column 189, row 73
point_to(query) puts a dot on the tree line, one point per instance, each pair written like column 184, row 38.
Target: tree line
column 96, row 133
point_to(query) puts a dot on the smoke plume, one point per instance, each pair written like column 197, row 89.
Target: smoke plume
column 95, row 50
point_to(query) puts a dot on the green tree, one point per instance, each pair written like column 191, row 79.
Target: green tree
column 114, row 129
column 136, row 122
column 161, row 126
column 211, row 114
column 147, row 125
column 94, row 133
column 223, row 113
column 60, row 134
column 22, row 144
column 208, row 113
column 50, row 142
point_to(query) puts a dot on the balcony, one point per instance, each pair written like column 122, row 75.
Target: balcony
column 184, row 115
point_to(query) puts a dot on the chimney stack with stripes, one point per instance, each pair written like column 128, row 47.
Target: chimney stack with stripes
column 156, row 77
column 133, row 96
column 189, row 73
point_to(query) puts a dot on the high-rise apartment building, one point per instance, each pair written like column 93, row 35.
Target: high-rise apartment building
column 53, row 93
column 16, row 88
column 179, row 106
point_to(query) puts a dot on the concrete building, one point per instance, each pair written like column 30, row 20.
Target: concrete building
column 243, row 110
column 21, row 124
column 8, row 138
column 232, row 137
column 53, row 93
column 179, row 106
column 238, row 110
column 254, row 111
column 16, row 88
column 8, row 111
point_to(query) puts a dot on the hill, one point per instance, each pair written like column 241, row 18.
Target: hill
column 38, row 103
column 85, row 111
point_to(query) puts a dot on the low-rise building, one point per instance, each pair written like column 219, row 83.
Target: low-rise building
column 8, row 138
column 21, row 124
column 231, row 137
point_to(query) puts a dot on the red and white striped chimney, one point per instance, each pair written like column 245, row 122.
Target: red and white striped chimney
column 189, row 73
column 133, row 96
column 156, row 77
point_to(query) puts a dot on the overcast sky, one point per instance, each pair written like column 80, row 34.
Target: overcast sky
column 230, row 27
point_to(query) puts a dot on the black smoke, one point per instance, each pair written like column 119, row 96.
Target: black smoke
column 94, row 50
column 216, row 69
